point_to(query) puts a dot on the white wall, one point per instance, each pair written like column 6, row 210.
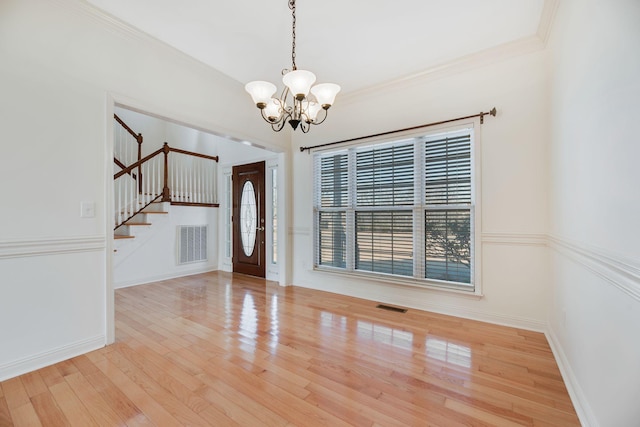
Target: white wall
column 62, row 67
column 595, row 205
column 156, row 131
column 514, row 183
column 152, row 255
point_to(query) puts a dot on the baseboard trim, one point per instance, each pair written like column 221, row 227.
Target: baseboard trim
column 580, row 403
column 161, row 277
column 39, row 247
column 446, row 309
column 493, row 318
column 32, row 363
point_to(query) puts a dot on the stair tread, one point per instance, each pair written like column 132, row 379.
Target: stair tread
column 118, row 236
column 137, row 223
column 152, row 212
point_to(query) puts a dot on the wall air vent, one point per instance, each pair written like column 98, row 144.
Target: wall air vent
column 390, row 308
column 192, row 243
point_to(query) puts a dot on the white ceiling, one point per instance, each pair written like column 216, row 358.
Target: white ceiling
column 355, row 43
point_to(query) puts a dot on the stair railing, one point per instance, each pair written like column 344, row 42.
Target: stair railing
column 186, row 178
column 192, row 178
column 127, row 147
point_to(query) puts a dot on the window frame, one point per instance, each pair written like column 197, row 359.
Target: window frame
column 419, row 206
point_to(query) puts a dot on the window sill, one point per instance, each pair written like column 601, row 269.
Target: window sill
column 431, row 285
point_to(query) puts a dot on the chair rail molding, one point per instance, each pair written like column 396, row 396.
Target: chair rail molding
column 623, row 273
column 524, row 239
column 50, row 246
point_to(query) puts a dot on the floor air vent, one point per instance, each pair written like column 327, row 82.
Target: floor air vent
column 390, row 308
column 192, row 243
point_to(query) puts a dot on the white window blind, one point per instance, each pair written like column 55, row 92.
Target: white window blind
column 401, row 209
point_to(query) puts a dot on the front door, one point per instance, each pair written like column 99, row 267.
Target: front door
column 249, row 219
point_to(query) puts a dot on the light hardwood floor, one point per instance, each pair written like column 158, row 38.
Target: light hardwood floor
column 220, row 349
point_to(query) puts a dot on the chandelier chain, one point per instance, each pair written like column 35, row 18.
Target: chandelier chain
column 292, row 6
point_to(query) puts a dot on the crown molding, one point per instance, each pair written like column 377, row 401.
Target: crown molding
column 546, row 19
column 472, row 61
column 465, row 63
column 462, row 64
column 122, row 29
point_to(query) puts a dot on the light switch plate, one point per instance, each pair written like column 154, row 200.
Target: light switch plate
column 87, row 209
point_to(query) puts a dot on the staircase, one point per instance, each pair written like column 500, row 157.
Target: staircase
column 145, row 187
column 141, row 221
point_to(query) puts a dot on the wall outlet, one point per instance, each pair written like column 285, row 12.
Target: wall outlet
column 87, row 209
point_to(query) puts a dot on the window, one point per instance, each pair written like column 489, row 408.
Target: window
column 228, row 209
column 403, row 209
column 274, row 216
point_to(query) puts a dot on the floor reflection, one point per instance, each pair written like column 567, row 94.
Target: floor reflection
column 385, row 335
column 445, row 351
column 333, row 321
column 274, row 332
column 248, row 316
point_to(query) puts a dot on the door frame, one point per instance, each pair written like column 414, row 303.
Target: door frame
column 256, row 169
column 111, row 100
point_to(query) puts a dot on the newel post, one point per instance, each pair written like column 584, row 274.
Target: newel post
column 166, row 195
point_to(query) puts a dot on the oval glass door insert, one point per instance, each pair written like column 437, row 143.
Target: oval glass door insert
column 248, row 218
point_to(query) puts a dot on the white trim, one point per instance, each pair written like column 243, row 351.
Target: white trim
column 390, row 279
column 390, row 296
column 161, row 277
column 578, row 398
column 546, row 19
column 488, row 317
column 31, row 363
column 120, row 28
column 472, row 61
column 109, row 203
column 50, row 246
column 462, row 64
column 521, row 239
column 300, row 231
column 623, row 273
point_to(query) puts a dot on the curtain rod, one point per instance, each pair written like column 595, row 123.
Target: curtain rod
column 492, row 112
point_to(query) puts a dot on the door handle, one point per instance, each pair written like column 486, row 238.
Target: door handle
column 260, row 228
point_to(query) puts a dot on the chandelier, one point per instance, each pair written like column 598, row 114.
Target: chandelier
column 303, row 108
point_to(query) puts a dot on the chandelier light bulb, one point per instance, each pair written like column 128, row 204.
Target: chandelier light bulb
column 272, row 110
column 325, row 94
column 312, row 111
column 261, row 92
column 299, row 82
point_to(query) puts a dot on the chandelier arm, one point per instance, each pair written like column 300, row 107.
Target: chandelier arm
column 283, row 95
column 326, row 113
column 304, row 126
column 266, row 119
column 298, row 110
column 278, row 126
